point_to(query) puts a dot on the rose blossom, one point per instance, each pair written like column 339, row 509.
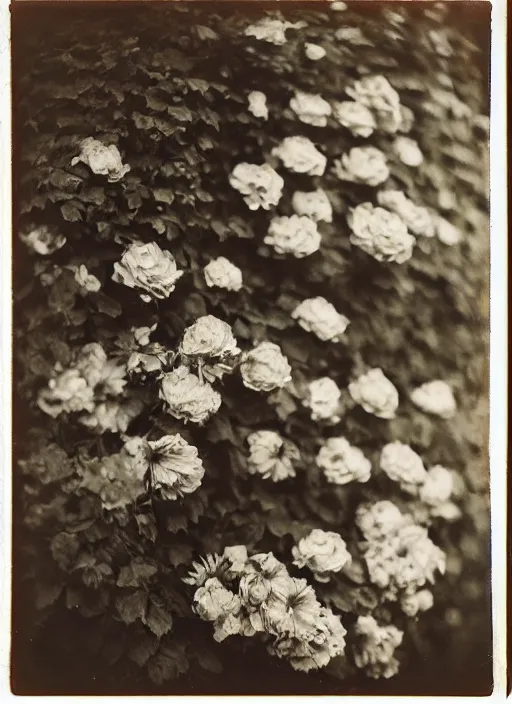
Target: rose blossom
column 342, row 463
column 293, row 610
column 209, row 337
column 381, row 234
column 375, row 393
column 435, row 397
column 68, row 392
column 362, row 165
column 376, row 521
column 322, row 552
column 102, row 160
column 254, row 589
column 375, row 646
column 356, row 117
column 376, row 93
column 90, row 362
column 297, row 235
column 299, row 154
column 187, row 397
column 261, row 186
column 265, row 368
column 314, row 52
column 403, row 465
column 213, row 600
column 42, row 240
column 416, row 218
column 85, row 280
column 258, row 104
column 438, row 486
column 271, row 455
column 112, row 416
column 408, row 151
column 176, row 469
column 310, row 109
column 271, row 30
column 149, row 270
column 320, row 317
column 323, row 399
column 447, row 233
column 420, row 601
column 313, row 204
column 222, row 273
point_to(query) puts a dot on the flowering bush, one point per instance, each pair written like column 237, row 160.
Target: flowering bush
column 203, row 474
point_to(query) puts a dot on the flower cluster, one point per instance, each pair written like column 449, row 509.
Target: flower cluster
column 43, row 240
column 300, row 155
column 222, row 273
column 375, row 393
column 365, row 165
column 417, row 219
column 404, row 466
column 342, row 463
column 376, row 94
column 187, row 397
column 255, row 596
column 323, row 398
column 271, row 30
column 272, row 456
column 380, row 233
column 374, row 647
column 320, row 317
column 265, row 368
column 208, row 337
column 102, row 160
column 296, row 235
column 149, row 270
column 356, row 117
column 313, row 204
column 260, row 186
column 311, row 109
column 408, row 151
column 322, row 552
column 436, row 398
column 258, row 104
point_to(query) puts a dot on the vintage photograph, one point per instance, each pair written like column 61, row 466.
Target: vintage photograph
column 251, row 348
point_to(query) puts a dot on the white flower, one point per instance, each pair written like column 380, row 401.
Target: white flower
column 447, row 233
column 297, row 235
column 376, row 521
column 142, row 335
column 407, row 117
column 314, row 52
column 356, row 117
column 271, row 455
column 222, row 273
column 416, row 218
column 176, row 469
column 237, row 557
column 69, row 392
column 273, row 31
column 435, row 397
column 209, row 337
column 207, row 568
column 187, row 397
column 342, row 463
column 438, row 486
column 265, row 368
column 322, row 552
column 254, row 589
column 403, row 465
column 86, row 281
column 447, row 511
column 323, row 399
column 376, row 93
column 374, row 647
column 149, row 270
column 142, row 364
column 299, row 154
column 261, row 186
column 90, row 362
column 102, row 160
column 408, row 151
column 375, row 393
column 258, row 104
column 313, row 204
column 292, row 610
column 362, row 165
column 310, row 109
column 213, row 600
column 113, row 416
column 42, row 240
column 420, row 601
column 338, row 6
column 380, row 233
column 320, row 317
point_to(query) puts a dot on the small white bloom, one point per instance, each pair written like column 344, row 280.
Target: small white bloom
column 362, row 165
column 142, row 335
column 342, row 463
column 375, row 393
column 271, row 455
column 435, row 397
column 261, row 186
column 258, row 104
column 408, row 151
column 299, row 154
column 320, row 317
column 69, row 392
column 440, row 42
column 447, row 233
column 377, row 94
column 237, row 556
column 112, row 416
column 380, row 233
column 447, row 511
column 356, row 117
column 175, row 466
column 148, row 269
column 310, row 109
column 323, row 552
column 270, row 30
column 417, row 218
column 313, row 204
column 420, row 601
column 42, row 240
column 338, row 6
column 90, row 362
column 102, row 160
column 352, row 35
column 407, row 117
column 438, row 486
column 213, row 600
column 297, row 235
column 209, row 337
column 323, row 399
column 314, row 52
column 187, row 397
column 374, row 647
column 265, row 368
column 222, row 273
column 376, row 521
column 86, row 281
column 403, row 465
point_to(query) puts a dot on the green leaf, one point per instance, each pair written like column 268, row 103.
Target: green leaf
column 157, row 618
column 47, row 594
column 132, row 606
column 168, row 664
column 135, row 574
column 180, row 554
column 164, row 195
column 63, row 180
column 143, row 648
column 70, row 213
column 180, row 113
column 208, row 660
column 205, row 32
column 198, row 84
column 143, row 122
column 155, row 103
column 106, row 304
